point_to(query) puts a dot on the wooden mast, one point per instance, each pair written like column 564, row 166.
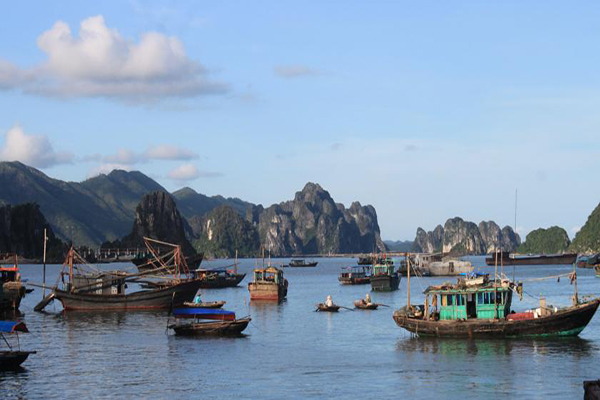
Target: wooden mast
column 495, row 285
column 72, row 286
column 44, row 283
column 408, row 280
column 575, row 297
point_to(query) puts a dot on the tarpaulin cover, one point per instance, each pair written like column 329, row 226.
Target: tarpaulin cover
column 12, row 326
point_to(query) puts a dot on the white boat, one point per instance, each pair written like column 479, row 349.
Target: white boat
column 449, row 268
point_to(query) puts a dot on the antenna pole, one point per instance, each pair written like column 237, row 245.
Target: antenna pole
column 516, row 194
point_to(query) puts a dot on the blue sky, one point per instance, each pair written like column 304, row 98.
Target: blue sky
column 425, row 111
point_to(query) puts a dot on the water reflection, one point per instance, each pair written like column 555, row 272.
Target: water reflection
column 576, row 347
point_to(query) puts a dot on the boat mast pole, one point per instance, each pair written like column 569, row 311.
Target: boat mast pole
column 495, row 285
column 408, row 280
column 44, row 283
column 576, row 298
column 236, row 271
column 72, row 288
column 516, row 192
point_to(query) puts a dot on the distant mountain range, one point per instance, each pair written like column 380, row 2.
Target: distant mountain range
column 103, row 208
column 399, row 245
column 96, row 210
column 460, row 237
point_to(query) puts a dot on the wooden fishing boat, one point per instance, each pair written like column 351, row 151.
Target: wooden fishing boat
column 217, row 278
column 268, row 284
column 354, row 276
column 384, row 278
column 299, row 262
column 207, row 322
column 90, row 289
column 12, row 359
column 207, row 304
column 212, row 328
column 363, row 305
column 326, row 308
column 483, row 309
column 506, row 258
column 12, row 289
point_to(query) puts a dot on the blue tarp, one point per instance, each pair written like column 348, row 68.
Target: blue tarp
column 201, row 311
column 12, row 326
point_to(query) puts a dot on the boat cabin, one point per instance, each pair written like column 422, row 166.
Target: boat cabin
column 383, row 269
column 9, row 274
column 99, row 284
column 482, row 302
column 353, row 272
column 269, row 274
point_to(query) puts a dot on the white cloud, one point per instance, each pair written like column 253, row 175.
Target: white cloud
column 294, row 71
column 11, row 76
column 169, row 152
column 185, row 172
column 574, row 230
column 123, row 157
column 102, row 63
column 33, row 150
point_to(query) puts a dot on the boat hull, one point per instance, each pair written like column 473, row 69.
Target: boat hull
column 221, row 282
column 11, row 360
column 360, row 304
column 11, row 294
column 385, row 283
column 219, row 328
column 568, row 322
column 355, row 281
column 267, row 291
column 558, row 259
column 326, row 308
column 163, row 298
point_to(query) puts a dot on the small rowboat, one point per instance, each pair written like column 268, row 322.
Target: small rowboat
column 212, row 328
column 361, row 304
column 325, row 307
column 208, row 304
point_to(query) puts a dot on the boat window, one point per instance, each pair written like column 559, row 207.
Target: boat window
column 480, row 298
column 450, row 299
column 444, row 300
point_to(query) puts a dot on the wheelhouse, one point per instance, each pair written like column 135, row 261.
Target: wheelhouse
column 482, row 302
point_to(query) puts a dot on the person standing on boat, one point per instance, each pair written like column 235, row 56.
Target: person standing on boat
column 329, row 301
column 368, row 299
column 198, row 298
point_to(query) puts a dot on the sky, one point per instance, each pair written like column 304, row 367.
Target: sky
column 425, row 110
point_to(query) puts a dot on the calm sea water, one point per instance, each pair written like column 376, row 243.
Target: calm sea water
column 293, row 352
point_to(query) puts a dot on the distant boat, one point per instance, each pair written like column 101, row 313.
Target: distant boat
column 448, row 268
column 384, row 278
column 268, row 284
column 326, row 308
column 299, row 262
column 12, row 359
column 217, row 278
column 507, row 258
column 354, row 276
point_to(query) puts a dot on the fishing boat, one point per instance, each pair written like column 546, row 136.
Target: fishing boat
column 326, row 308
column 217, row 278
column 384, row 278
column 90, row 289
column 354, row 276
column 597, row 271
column 12, row 289
column 299, row 262
column 208, row 322
column 205, row 304
column 363, row 305
column 365, row 260
column 12, row 359
column 268, row 284
column 537, row 259
column 483, row 309
column 449, row 267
